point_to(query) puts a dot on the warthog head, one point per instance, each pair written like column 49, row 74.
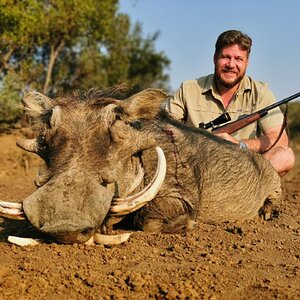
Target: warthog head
column 90, row 144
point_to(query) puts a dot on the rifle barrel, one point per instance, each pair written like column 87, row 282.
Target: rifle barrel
column 278, row 103
column 248, row 119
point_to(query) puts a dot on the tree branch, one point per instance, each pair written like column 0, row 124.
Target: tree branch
column 53, row 56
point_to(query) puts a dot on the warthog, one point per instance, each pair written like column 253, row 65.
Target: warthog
column 109, row 156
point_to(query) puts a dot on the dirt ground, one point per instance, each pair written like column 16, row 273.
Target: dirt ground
column 253, row 260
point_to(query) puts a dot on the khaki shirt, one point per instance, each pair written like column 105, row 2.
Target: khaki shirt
column 198, row 101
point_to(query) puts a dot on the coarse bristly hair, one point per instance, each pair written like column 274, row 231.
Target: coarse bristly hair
column 117, row 92
column 35, row 104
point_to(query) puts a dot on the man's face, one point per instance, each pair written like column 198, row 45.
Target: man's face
column 230, row 65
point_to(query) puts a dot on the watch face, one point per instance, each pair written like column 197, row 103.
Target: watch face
column 243, row 145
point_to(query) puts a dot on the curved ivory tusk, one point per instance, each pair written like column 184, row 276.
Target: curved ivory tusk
column 97, row 238
column 111, row 239
column 137, row 181
column 8, row 204
column 23, row 241
column 30, row 145
column 12, row 210
column 123, row 206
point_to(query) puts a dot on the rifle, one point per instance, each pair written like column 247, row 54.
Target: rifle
column 243, row 120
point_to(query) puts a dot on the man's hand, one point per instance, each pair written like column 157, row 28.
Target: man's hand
column 262, row 143
column 227, row 137
column 281, row 156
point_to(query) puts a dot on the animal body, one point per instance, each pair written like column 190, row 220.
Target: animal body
column 99, row 153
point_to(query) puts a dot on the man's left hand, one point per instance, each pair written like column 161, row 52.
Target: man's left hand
column 227, row 137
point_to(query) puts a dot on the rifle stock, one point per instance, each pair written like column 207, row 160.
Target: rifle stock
column 239, row 123
column 248, row 119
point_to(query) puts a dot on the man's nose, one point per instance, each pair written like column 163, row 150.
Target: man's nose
column 230, row 63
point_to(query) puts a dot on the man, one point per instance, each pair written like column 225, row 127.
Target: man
column 230, row 90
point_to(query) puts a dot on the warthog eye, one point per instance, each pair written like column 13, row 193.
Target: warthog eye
column 136, row 124
column 41, row 141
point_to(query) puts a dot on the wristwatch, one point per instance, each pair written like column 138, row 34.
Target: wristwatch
column 243, row 145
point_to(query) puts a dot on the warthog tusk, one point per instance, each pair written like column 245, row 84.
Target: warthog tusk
column 11, row 210
column 23, row 241
column 111, row 239
column 11, row 204
column 123, row 206
column 97, row 238
column 137, row 181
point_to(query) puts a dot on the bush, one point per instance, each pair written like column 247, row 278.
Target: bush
column 294, row 121
column 10, row 95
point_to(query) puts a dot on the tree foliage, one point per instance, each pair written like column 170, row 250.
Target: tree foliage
column 9, row 99
column 60, row 45
column 294, row 121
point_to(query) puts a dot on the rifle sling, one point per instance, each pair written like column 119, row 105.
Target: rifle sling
column 283, row 126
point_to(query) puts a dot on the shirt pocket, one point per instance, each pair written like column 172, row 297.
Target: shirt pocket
column 236, row 113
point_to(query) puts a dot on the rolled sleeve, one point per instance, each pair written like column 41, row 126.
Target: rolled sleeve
column 274, row 118
column 175, row 105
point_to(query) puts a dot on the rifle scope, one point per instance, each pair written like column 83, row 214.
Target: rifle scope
column 219, row 120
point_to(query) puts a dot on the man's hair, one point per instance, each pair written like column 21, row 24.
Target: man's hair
column 232, row 37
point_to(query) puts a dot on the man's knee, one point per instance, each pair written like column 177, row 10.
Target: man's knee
column 291, row 157
column 281, row 159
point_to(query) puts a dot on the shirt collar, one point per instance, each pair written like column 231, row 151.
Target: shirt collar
column 245, row 85
column 209, row 86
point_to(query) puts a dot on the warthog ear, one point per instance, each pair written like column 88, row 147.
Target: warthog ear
column 55, row 119
column 36, row 104
column 146, row 104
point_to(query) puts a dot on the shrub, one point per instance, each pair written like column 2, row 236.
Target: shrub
column 10, row 95
column 294, row 121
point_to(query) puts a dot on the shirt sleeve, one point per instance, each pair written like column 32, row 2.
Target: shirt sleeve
column 274, row 118
column 176, row 105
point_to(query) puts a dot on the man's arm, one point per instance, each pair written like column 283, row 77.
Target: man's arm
column 264, row 142
column 175, row 105
column 281, row 156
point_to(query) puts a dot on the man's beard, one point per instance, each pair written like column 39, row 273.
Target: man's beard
column 227, row 84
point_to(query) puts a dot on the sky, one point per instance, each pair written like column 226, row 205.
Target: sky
column 189, row 29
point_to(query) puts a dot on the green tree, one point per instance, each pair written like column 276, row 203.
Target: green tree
column 67, row 22
column 293, row 121
column 56, row 43
column 125, row 57
column 9, row 99
column 60, row 45
column 147, row 67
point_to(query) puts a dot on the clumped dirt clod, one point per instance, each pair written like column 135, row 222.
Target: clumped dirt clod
column 252, row 260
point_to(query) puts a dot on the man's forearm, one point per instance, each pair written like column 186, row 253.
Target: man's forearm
column 263, row 143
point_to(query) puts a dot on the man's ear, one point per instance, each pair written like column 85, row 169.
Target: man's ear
column 248, row 58
column 215, row 58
